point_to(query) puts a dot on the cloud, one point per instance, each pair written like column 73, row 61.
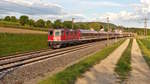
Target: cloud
column 82, row 9
column 30, row 7
column 123, row 16
column 101, row 3
column 78, row 17
column 143, row 8
column 129, row 18
column 36, row 9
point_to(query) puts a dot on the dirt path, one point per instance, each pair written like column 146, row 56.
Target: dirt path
column 24, row 31
column 103, row 73
column 140, row 73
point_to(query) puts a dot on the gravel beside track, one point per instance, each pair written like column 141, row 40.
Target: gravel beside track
column 30, row 71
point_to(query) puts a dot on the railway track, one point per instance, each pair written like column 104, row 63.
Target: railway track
column 22, row 54
column 11, row 63
column 22, row 57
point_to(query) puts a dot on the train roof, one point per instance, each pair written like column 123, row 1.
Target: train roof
column 62, row 29
column 81, row 30
column 87, row 31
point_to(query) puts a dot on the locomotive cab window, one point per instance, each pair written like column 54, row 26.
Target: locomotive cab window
column 51, row 33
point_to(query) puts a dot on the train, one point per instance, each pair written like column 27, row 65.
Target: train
column 64, row 37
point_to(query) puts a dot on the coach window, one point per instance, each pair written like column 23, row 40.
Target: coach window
column 57, row 33
column 67, row 33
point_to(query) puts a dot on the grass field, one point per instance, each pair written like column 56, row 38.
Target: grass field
column 145, row 48
column 70, row 74
column 123, row 66
column 18, row 43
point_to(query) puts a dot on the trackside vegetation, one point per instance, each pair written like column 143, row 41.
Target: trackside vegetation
column 145, row 48
column 19, row 43
column 123, row 67
column 70, row 74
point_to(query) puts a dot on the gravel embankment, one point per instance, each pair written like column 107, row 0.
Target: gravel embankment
column 31, row 73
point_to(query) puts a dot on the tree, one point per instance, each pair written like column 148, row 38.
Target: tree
column 95, row 26
column 58, row 24
column 76, row 26
column 24, row 20
column 7, row 18
column 31, row 22
column 84, row 26
column 13, row 19
column 40, row 23
column 48, row 24
column 67, row 24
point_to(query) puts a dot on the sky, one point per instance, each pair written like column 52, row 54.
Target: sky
column 128, row 13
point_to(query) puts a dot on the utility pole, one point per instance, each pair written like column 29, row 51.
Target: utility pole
column 73, row 23
column 145, row 26
column 107, row 31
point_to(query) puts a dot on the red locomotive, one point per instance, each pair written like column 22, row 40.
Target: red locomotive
column 63, row 37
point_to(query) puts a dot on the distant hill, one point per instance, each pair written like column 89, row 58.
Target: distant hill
column 139, row 31
column 105, row 25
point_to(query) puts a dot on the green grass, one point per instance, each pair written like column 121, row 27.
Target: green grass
column 19, row 43
column 146, row 42
column 70, row 74
column 123, row 66
column 145, row 48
